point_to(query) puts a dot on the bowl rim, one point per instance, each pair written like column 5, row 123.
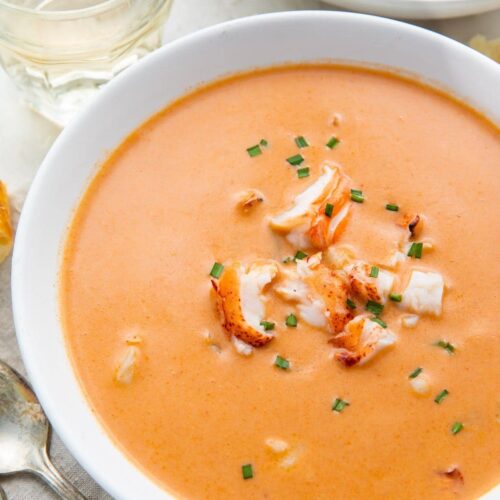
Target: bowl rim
column 419, row 9
column 35, row 366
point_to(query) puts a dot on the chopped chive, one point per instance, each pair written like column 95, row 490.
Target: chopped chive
column 396, row 297
column 268, row 325
column 328, row 209
column 439, row 398
column 456, row 427
column 303, row 172
column 216, row 271
column 282, row 363
column 295, row 159
column 247, row 471
column 415, row 373
column 339, row 405
column 374, row 307
column 416, row 250
column 263, row 142
column 300, row 255
column 254, row 151
column 301, row 141
column 357, row 196
column 419, row 250
column 291, row 320
column 332, row 142
column 379, row 321
column 374, row 272
column 287, row 260
column 446, row 346
column 391, row 207
column 350, row 304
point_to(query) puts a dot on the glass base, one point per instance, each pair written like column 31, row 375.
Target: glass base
column 59, row 92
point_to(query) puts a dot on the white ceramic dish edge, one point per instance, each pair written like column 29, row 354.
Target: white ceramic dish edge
column 419, row 9
column 123, row 105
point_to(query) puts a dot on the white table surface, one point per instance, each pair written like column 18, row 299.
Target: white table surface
column 25, row 138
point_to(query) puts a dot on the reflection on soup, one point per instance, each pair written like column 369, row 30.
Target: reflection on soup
column 285, row 285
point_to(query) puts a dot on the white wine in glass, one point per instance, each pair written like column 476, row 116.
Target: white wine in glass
column 60, row 52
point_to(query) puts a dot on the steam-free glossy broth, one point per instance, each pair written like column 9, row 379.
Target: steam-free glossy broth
column 190, row 406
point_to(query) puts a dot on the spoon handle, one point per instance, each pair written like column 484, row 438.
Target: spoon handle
column 46, row 470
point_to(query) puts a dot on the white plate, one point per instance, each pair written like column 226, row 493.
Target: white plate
column 419, row 9
column 120, row 108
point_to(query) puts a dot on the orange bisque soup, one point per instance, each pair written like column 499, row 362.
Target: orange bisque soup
column 285, row 285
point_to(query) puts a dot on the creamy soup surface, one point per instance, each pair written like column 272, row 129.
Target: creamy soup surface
column 190, row 406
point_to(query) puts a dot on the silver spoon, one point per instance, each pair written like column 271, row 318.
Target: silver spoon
column 24, row 433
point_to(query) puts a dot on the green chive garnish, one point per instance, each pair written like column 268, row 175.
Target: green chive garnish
column 300, row 255
column 416, row 250
column 332, row 142
column 301, row 141
column 357, row 196
column 415, row 373
column 350, row 304
column 291, row 320
column 456, row 427
column 303, row 172
column 419, row 250
column 295, row 160
column 216, row 271
column 282, row 363
column 441, row 396
column 247, row 471
column 396, row 297
column 374, row 307
column 339, row 405
column 328, row 209
column 379, row 321
column 254, row 151
column 446, row 346
column 391, row 207
column 268, row 325
column 374, row 272
column 263, row 142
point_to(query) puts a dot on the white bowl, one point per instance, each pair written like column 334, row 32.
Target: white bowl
column 419, row 9
column 121, row 107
